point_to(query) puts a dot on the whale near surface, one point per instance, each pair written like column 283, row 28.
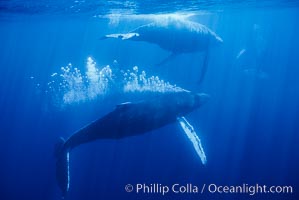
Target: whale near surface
column 128, row 119
column 174, row 35
column 177, row 36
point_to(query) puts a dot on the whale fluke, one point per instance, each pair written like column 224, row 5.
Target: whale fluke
column 62, row 167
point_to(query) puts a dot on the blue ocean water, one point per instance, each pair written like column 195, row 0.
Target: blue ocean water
column 249, row 128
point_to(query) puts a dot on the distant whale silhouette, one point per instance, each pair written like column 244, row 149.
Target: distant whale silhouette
column 128, row 119
column 176, row 36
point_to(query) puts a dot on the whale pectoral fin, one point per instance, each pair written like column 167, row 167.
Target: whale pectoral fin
column 192, row 136
column 117, row 36
column 123, row 36
column 167, row 59
column 129, row 36
column 204, row 67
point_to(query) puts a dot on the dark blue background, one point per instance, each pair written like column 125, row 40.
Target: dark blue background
column 249, row 129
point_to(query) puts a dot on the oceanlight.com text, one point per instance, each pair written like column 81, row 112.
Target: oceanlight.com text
column 189, row 188
column 249, row 189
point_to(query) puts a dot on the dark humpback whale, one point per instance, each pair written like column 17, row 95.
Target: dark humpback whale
column 177, row 36
column 128, row 119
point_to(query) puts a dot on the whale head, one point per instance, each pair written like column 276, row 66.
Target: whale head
column 200, row 99
column 182, row 103
column 191, row 102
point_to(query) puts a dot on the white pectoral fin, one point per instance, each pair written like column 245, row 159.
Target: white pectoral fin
column 192, row 136
column 123, row 36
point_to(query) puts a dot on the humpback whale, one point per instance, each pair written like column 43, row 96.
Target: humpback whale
column 176, row 36
column 128, row 119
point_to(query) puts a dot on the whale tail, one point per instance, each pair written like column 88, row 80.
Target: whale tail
column 62, row 167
